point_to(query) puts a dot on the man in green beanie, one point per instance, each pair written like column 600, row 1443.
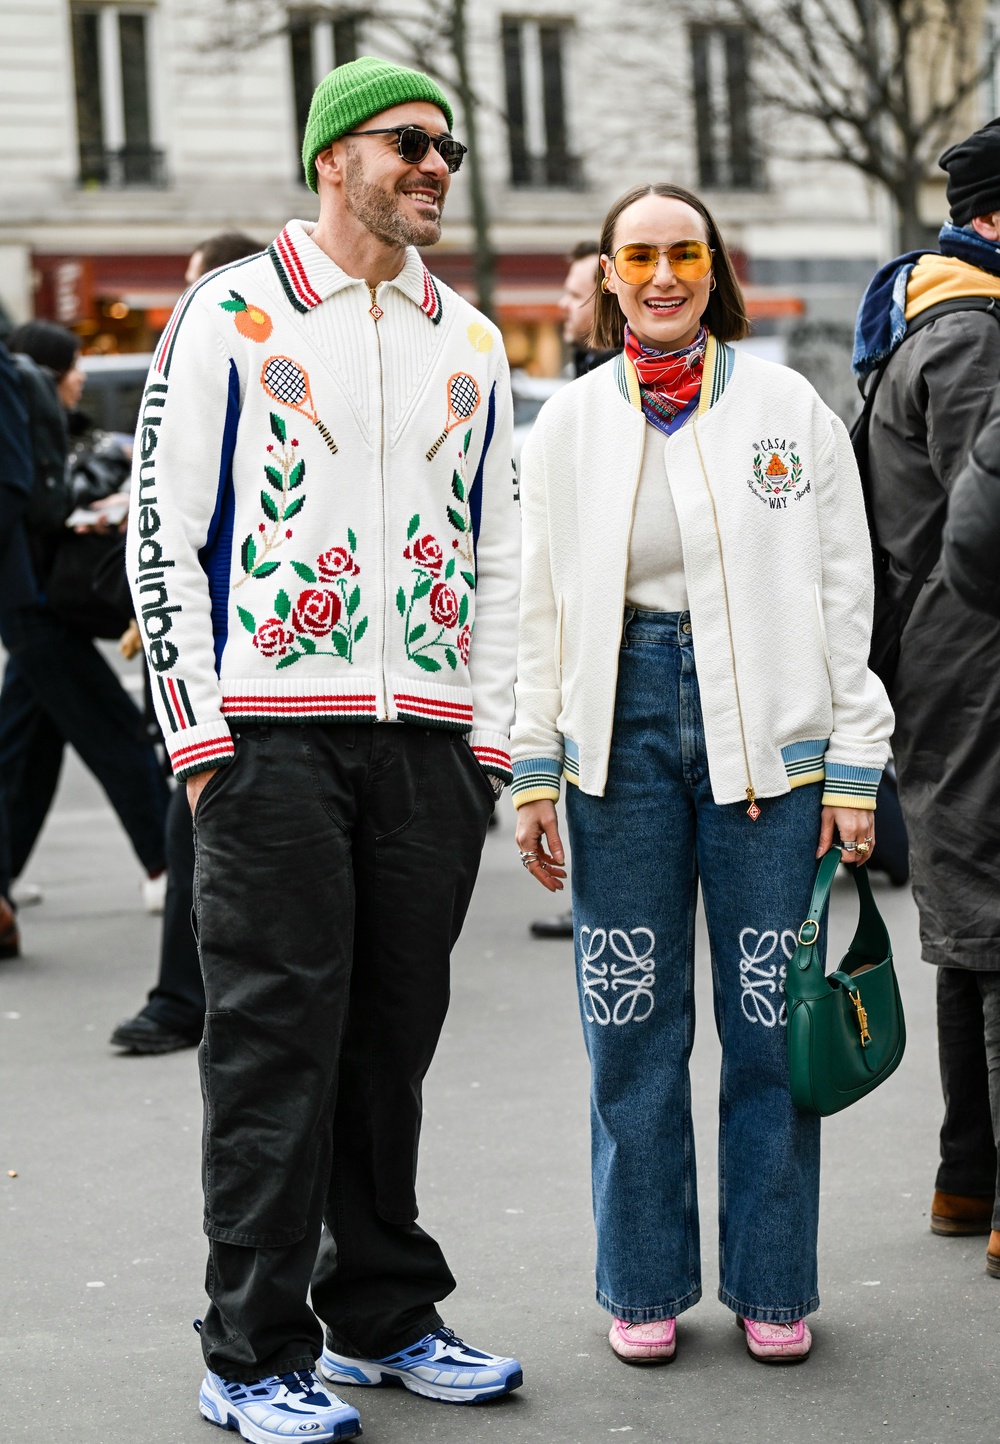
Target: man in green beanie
column 352, row 563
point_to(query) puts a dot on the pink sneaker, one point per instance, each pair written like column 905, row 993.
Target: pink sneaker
column 777, row 1343
column 654, row 1343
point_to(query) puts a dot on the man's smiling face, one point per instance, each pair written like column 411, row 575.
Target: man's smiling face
column 400, row 204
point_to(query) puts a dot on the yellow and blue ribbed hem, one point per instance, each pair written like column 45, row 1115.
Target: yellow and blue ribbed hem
column 850, row 786
column 535, row 780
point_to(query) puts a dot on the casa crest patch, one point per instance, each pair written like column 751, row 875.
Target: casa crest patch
column 777, row 476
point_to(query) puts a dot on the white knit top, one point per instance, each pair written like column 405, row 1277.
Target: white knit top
column 655, row 579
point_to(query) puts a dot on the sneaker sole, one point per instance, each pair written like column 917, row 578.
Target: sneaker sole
column 993, row 1265
column 368, row 1376
column 959, row 1228
column 656, row 1361
column 220, row 1414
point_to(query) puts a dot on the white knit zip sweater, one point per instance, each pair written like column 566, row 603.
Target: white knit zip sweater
column 778, row 570
column 304, row 543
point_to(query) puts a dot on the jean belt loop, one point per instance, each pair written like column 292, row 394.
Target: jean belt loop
column 629, row 614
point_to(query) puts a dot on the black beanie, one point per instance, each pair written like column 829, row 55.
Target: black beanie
column 45, row 342
column 973, row 168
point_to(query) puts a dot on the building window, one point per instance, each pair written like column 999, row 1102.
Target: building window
column 720, row 56
column 317, row 43
column 113, row 113
column 534, row 60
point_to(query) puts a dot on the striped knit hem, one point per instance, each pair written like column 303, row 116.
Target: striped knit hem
column 848, row 799
column 804, row 762
column 860, row 784
column 535, row 779
column 214, row 748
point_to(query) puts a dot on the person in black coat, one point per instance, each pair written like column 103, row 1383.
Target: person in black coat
column 17, row 581
column 971, row 553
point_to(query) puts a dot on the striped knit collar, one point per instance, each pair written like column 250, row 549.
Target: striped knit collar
column 308, row 276
column 718, row 371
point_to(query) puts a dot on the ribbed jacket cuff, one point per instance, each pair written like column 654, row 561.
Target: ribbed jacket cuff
column 196, row 749
column 492, row 752
column 535, row 780
column 850, row 786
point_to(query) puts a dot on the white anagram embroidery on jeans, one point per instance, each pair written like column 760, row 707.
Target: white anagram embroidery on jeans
column 761, row 985
column 617, row 992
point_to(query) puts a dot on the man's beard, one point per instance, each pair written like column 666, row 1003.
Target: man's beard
column 379, row 213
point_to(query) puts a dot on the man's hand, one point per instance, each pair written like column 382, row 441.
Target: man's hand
column 536, row 826
column 195, row 786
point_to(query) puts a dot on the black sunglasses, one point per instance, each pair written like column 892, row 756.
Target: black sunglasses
column 414, row 144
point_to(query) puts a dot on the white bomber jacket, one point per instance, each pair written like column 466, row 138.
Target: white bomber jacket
column 324, row 523
column 777, row 563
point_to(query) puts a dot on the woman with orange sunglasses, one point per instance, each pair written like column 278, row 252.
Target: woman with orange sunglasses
column 695, row 626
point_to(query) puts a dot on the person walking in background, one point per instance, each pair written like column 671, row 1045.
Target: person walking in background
column 724, row 727
column 17, row 581
column 174, row 1013
column 57, row 688
column 928, row 411
column 284, row 628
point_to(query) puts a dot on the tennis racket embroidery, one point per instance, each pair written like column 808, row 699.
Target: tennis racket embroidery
column 463, row 400
column 284, row 380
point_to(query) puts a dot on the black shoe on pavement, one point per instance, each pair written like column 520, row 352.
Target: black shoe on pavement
column 557, row 927
column 144, row 1035
column 10, row 938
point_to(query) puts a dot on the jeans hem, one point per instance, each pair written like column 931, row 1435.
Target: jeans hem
column 248, row 1376
column 759, row 1314
column 655, row 1313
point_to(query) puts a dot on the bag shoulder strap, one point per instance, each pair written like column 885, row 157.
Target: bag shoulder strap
column 871, row 937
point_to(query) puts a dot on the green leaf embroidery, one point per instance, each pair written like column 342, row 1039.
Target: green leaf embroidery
column 352, row 540
column 278, row 427
column 293, row 508
column 452, row 659
column 428, row 663
column 287, row 661
column 306, row 573
column 411, row 530
column 297, row 474
column 354, row 601
column 418, row 632
column 422, row 588
column 463, row 610
column 265, row 569
column 458, row 487
column 247, row 619
column 270, row 510
column 248, row 554
column 307, row 644
column 361, row 629
column 339, row 643
column 236, row 304
column 456, row 518
column 465, row 443
column 274, row 477
column 282, row 606
column 469, row 580
column 449, row 570
column 401, row 602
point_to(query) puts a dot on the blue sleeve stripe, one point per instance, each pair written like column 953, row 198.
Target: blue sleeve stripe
column 476, row 494
column 216, row 555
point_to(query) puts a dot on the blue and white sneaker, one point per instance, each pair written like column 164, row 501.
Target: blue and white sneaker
column 278, row 1409
column 439, row 1366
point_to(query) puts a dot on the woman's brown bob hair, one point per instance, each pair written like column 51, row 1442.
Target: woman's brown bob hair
column 725, row 315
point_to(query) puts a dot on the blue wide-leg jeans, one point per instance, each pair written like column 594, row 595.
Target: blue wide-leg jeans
column 638, row 854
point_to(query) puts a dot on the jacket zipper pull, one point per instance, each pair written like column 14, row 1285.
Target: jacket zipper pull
column 753, row 811
column 374, row 310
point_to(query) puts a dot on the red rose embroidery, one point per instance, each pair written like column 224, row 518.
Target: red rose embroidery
column 272, row 638
column 337, row 562
column 316, row 612
column 426, row 552
column 464, row 643
column 444, row 605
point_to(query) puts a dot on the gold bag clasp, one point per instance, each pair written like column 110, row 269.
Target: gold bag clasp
column 862, row 1019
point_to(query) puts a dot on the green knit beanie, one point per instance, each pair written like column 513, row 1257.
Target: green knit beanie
column 353, row 93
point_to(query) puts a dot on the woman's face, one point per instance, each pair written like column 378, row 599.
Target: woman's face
column 663, row 313
column 70, row 385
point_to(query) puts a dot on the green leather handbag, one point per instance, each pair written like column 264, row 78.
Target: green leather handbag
column 846, row 1031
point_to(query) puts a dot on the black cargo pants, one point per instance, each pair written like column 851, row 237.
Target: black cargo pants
column 335, row 867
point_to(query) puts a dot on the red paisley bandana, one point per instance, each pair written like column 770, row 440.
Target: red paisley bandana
column 669, row 381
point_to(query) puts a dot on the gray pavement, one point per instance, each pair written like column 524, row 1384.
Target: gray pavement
column 101, row 1252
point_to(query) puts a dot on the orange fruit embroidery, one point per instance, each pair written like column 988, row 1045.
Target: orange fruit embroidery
column 776, row 466
column 251, row 321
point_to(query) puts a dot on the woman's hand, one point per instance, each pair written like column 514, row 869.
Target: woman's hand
column 853, row 824
column 538, row 826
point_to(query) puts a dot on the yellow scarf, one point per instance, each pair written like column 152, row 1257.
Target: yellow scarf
column 943, row 278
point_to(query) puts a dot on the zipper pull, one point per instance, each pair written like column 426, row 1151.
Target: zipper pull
column 374, row 310
column 753, row 811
